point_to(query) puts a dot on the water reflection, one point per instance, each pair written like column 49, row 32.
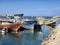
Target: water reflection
column 24, row 37
column 20, row 38
column 14, row 35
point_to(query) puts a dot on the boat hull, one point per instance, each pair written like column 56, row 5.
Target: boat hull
column 12, row 26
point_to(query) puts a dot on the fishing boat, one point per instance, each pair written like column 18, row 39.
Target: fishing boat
column 12, row 26
column 7, row 23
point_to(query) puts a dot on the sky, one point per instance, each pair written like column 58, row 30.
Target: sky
column 30, row 7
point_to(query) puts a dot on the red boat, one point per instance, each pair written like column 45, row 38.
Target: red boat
column 13, row 26
column 7, row 23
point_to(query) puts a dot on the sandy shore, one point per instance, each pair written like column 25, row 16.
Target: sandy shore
column 54, row 37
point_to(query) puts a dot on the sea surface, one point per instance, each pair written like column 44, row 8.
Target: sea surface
column 26, row 37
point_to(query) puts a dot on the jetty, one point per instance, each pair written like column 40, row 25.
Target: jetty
column 54, row 36
column 54, row 19
column 41, row 20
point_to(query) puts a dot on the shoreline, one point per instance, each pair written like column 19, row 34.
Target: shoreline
column 53, row 37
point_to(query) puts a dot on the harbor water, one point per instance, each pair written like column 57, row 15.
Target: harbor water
column 26, row 37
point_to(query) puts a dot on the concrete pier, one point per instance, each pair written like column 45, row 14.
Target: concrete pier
column 42, row 20
column 54, row 37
